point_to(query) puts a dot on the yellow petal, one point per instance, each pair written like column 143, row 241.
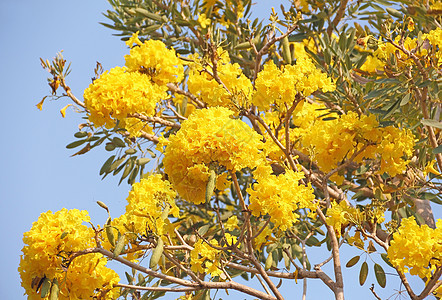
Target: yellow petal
column 63, row 110
column 40, row 104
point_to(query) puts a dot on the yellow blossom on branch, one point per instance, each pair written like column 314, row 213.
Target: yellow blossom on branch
column 235, row 87
column 154, row 59
column 276, row 85
column 149, row 204
column 415, row 248
column 280, row 197
column 48, row 246
column 209, row 139
column 118, row 93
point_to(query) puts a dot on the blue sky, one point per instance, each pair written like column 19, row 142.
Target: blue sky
column 38, row 173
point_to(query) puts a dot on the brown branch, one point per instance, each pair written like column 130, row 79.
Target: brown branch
column 266, row 48
column 431, row 285
column 158, row 289
column 174, row 88
column 374, row 293
column 339, row 284
column 150, row 137
column 154, row 120
column 249, row 239
column 69, row 93
column 406, row 284
column 339, row 14
column 202, row 285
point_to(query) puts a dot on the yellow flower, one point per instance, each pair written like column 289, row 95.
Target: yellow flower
column 340, row 215
column 280, row 85
column 203, row 20
column 329, row 142
column 410, row 24
column 205, row 258
column 231, row 239
column 415, row 248
column 118, row 93
column 48, row 246
column 205, row 87
column 134, row 40
column 281, row 197
column 263, row 239
column 209, row 139
column 149, row 204
column 154, row 59
column 231, row 223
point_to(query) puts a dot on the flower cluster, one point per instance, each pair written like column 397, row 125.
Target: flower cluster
column 331, row 141
column 136, row 88
column 149, row 204
column 280, row 197
column 303, row 77
column 205, row 259
column 209, row 139
column 341, row 214
column 48, row 246
column 234, row 88
column 118, row 93
column 218, row 10
column 381, row 56
column 154, row 59
column 415, row 248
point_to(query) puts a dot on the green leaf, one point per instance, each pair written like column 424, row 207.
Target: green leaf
column 118, row 142
column 269, row 262
column 107, row 164
column 148, row 14
column 210, row 185
column 438, row 149
column 109, row 147
column 363, row 273
column 393, row 12
column 129, row 278
column 141, row 279
column 380, row 275
column 432, row 123
column 203, row 229
column 384, row 257
column 116, row 164
column 75, row 144
column 127, row 169
column 352, row 261
column 143, row 160
column 80, row 134
column 406, row 99
column 130, row 151
column 133, row 175
column 110, row 232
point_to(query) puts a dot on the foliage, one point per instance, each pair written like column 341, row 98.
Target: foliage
column 321, row 128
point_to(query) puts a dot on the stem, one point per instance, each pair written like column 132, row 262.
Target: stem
column 338, row 17
column 196, row 286
column 339, row 285
column 249, row 240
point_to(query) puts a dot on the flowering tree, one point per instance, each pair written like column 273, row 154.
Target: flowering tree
column 264, row 140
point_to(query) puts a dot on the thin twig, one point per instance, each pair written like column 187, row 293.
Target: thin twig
column 69, row 93
column 340, row 13
column 154, row 120
column 266, row 48
column 174, row 88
